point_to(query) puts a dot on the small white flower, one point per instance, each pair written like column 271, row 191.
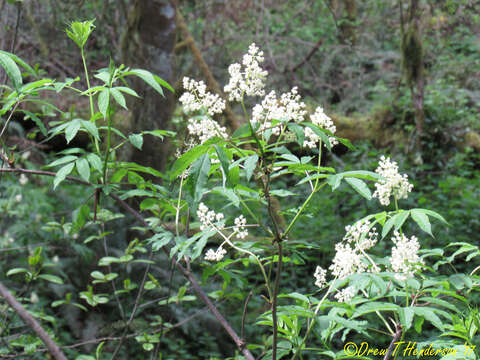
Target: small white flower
column 393, row 183
column 361, row 235
column 23, row 179
column 34, row 298
column 320, row 277
column 205, row 128
column 208, row 217
column 251, row 79
column 239, row 228
column 320, row 119
column 197, row 97
column 345, row 295
column 215, row 255
column 288, row 108
column 55, row 259
column 18, row 197
column 405, row 260
column 11, row 240
column 347, row 261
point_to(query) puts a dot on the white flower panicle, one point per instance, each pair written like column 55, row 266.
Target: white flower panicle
column 394, row 183
column 350, row 257
column 197, row 97
column 205, row 128
column 320, row 277
column 250, row 81
column 288, row 108
column 239, row 228
column 347, row 261
column 345, row 295
column 215, row 255
column 405, row 260
column 361, row 235
column 208, row 217
column 320, row 119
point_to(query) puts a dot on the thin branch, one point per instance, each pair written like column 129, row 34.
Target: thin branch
column 307, row 58
column 396, row 337
column 242, row 332
column 274, row 302
column 190, row 277
column 29, row 320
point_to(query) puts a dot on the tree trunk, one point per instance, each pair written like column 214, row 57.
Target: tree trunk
column 413, row 67
column 148, row 43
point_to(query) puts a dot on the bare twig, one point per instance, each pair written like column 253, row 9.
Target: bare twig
column 307, row 58
column 396, row 337
column 242, row 332
column 29, row 320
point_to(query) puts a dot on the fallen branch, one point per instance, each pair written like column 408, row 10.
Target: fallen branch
column 32, row 323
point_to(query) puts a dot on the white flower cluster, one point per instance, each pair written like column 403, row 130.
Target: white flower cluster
column 23, row 179
column 288, row 108
column 239, row 228
column 205, row 128
column 351, row 259
column 405, row 260
column 361, row 235
column 320, row 119
column 208, row 217
column 346, row 294
column 394, row 183
column 215, row 255
column 250, row 81
column 347, row 261
column 197, row 97
column 320, row 277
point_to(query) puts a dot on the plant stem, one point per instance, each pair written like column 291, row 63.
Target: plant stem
column 309, row 329
column 315, row 189
column 274, row 300
column 90, row 96
column 107, row 150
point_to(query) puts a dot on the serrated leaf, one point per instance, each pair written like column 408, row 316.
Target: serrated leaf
column 406, row 317
column 184, row 161
column 90, row 128
column 250, row 165
column 51, row 278
column 429, row 315
column 72, row 130
column 127, row 90
column 63, row 160
column 83, row 169
column 95, row 161
column 136, row 140
column 62, row 174
column 16, row 271
column 422, row 220
column 119, row 98
column 397, row 220
column 150, row 79
column 104, row 101
column 360, row 187
column 11, row 69
column 36, row 120
column 199, row 176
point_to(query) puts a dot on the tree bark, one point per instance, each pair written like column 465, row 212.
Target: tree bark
column 148, row 43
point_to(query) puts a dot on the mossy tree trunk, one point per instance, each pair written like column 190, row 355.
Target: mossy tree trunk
column 413, row 66
column 148, row 43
